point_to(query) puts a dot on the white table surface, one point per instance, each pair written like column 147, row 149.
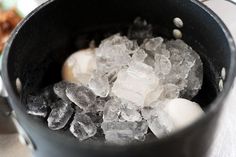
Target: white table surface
column 225, row 138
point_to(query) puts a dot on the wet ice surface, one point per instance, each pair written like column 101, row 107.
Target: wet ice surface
column 82, row 127
column 187, row 68
column 124, row 132
column 60, row 115
column 99, row 84
column 60, row 90
column 134, row 83
column 37, row 106
column 81, row 96
column 136, row 86
column 113, row 53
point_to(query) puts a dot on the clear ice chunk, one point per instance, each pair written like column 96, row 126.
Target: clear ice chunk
column 153, row 44
column 60, row 89
column 170, row 91
column 150, row 61
column 112, row 110
column 187, row 68
column 112, row 76
column 98, row 106
column 135, row 83
column 81, row 96
column 158, row 120
column 162, row 65
column 161, row 93
column 37, row 106
column 124, row 132
column 151, row 110
column 165, row 52
column 195, row 79
column 139, row 56
column 130, row 112
column 96, row 117
column 82, row 127
column 153, row 95
column 161, row 126
column 117, row 39
column 99, row 84
column 113, row 53
column 60, row 115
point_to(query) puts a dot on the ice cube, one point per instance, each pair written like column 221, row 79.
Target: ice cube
column 130, row 112
column 113, row 53
column 161, row 125
column 158, row 120
column 37, row 106
column 161, row 93
column 100, row 103
column 170, row 91
column 98, row 106
column 162, row 65
column 112, row 76
column 60, row 89
column 82, row 127
column 124, row 132
column 151, row 110
column 150, row 61
column 96, row 117
column 153, row 95
column 195, row 79
column 139, row 55
column 112, row 110
column 135, row 83
column 187, row 68
column 165, row 52
column 60, row 115
column 117, row 39
column 81, row 96
column 152, row 45
column 99, row 84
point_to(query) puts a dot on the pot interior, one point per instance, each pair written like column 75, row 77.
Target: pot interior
column 48, row 37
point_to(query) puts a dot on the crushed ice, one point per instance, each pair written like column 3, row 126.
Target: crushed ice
column 135, row 78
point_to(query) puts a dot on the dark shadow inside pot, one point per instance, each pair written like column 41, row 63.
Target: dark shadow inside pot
column 40, row 48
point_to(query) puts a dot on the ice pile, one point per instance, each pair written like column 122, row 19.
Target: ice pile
column 136, row 84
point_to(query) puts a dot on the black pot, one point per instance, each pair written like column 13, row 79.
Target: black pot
column 40, row 44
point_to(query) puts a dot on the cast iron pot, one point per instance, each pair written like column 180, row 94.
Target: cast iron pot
column 41, row 43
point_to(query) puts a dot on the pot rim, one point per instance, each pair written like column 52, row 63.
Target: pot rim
column 14, row 99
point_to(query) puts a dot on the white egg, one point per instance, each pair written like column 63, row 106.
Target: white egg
column 79, row 66
column 183, row 112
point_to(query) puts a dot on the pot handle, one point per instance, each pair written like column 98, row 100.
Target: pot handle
column 7, row 126
column 8, row 121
